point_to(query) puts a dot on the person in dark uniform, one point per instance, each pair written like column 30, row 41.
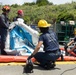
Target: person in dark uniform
column 19, row 15
column 51, row 51
column 73, row 49
column 4, row 26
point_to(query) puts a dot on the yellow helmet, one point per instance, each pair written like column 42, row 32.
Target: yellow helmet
column 43, row 24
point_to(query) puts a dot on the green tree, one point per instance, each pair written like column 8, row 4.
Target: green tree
column 42, row 2
column 32, row 3
column 14, row 5
column 65, row 16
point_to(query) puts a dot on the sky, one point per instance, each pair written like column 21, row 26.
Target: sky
column 20, row 2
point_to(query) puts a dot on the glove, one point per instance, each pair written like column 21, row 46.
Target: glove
column 65, row 47
column 29, row 67
column 30, row 57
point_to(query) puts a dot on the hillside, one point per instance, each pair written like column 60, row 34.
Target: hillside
column 51, row 13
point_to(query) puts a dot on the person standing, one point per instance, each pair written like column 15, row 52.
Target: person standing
column 4, row 26
column 19, row 15
column 51, row 51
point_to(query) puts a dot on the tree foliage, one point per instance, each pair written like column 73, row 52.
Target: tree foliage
column 65, row 16
column 33, row 13
column 42, row 2
column 15, row 5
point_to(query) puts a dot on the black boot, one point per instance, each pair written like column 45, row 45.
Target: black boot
column 49, row 65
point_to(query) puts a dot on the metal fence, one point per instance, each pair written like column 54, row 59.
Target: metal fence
column 64, row 32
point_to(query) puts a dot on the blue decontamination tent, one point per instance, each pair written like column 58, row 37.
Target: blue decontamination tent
column 20, row 38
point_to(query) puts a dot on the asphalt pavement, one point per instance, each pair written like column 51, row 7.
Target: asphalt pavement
column 62, row 68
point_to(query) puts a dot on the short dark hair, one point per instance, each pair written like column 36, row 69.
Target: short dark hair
column 44, row 30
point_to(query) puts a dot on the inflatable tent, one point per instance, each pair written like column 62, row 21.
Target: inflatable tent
column 21, row 39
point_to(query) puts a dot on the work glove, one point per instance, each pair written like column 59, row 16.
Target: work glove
column 28, row 67
column 65, row 47
column 30, row 57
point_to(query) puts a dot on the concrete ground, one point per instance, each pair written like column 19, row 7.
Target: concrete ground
column 62, row 68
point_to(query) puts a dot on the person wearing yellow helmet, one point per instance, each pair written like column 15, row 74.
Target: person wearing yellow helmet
column 4, row 26
column 51, row 51
column 43, row 24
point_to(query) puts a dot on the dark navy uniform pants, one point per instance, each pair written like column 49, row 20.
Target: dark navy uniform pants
column 45, row 57
column 3, row 34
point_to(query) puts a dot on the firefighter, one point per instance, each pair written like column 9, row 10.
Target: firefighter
column 51, row 51
column 73, row 49
column 4, row 26
column 20, row 14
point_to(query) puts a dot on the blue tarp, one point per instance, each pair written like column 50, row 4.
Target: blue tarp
column 20, row 38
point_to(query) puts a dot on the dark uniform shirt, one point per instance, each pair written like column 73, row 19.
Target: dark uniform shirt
column 15, row 18
column 4, row 26
column 50, row 41
column 4, row 21
column 75, row 39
